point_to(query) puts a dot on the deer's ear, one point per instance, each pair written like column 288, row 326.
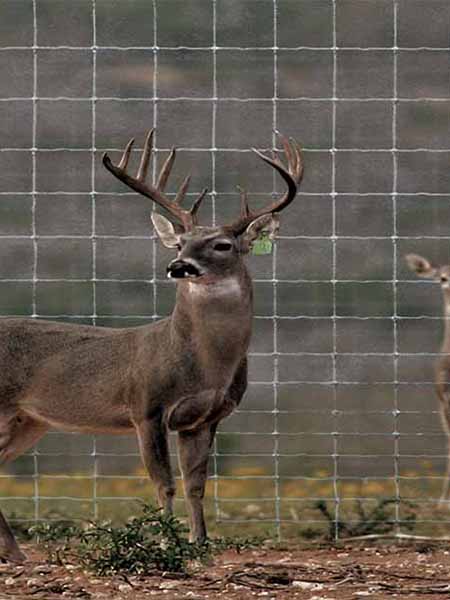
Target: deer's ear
column 421, row 266
column 265, row 225
column 165, row 230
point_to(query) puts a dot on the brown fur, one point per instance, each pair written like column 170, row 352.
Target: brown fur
column 423, row 268
column 185, row 373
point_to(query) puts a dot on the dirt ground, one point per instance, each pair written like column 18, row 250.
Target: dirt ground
column 354, row 571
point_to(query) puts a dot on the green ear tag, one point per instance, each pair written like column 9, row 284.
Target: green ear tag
column 263, row 244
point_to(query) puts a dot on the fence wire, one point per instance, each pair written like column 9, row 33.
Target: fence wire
column 340, row 410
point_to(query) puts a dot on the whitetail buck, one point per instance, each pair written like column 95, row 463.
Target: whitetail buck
column 423, row 268
column 184, row 373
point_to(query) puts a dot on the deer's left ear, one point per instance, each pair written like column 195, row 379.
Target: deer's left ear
column 165, row 230
column 265, row 225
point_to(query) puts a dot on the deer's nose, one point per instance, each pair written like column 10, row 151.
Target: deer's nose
column 179, row 268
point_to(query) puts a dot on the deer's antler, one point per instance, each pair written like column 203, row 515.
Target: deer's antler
column 292, row 175
column 187, row 218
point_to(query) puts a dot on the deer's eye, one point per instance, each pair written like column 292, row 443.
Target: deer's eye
column 222, row 246
column 444, row 278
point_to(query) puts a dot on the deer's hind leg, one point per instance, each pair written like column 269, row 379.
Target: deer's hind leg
column 18, row 433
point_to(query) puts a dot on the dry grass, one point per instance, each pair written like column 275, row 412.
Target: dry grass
column 246, row 496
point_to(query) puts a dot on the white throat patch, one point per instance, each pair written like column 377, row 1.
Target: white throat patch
column 223, row 287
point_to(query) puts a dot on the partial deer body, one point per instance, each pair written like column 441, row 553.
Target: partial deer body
column 423, row 268
column 184, row 373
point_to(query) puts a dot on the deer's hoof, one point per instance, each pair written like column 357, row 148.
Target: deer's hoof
column 13, row 555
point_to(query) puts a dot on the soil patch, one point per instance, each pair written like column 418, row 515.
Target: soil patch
column 420, row 571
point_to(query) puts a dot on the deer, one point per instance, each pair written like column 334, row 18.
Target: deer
column 424, row 269
column 183, row 374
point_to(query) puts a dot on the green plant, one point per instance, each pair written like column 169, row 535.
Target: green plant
column 149, row 542
column 54, row 531
column 217, row 545
column 377, row 520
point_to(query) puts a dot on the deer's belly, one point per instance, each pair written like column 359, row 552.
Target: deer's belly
column 78, row 414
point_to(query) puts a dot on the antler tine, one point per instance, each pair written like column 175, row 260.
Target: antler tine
column 293, row 155
column 288, row 150
column 299, row 161
column 182, row 190
column 145, row 160
column 292, row 175
column 138, row 184
column 244, row 202
column 123, row 164
column 165, row 171
column 194, row 208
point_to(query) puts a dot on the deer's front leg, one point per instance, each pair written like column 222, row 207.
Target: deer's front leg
column 193, row 454
column 153, row 446
column 443, row 393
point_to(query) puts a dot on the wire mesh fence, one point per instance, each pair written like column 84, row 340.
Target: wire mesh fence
column 340, row 409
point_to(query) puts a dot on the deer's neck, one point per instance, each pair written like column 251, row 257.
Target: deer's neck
column 213, row 319
column 446, row 340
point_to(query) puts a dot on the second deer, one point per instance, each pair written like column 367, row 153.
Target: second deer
column 423, row 268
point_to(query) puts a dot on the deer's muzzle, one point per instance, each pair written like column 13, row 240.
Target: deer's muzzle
column 179, row 269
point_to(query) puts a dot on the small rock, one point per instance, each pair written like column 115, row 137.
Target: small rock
column 168, row 585
column 307, row 585
column 5, row 567
column 124, row 587
column 33, row 582
column 10, row 581
column 251, row 509
column 42, row 569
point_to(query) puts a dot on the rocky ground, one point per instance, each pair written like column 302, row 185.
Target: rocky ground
column 420, row 571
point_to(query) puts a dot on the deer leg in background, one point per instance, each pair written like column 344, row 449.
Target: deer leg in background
column 443, row 501
column 444, row 399
column 24, row 432
column 193, row 454
column 153, row 446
